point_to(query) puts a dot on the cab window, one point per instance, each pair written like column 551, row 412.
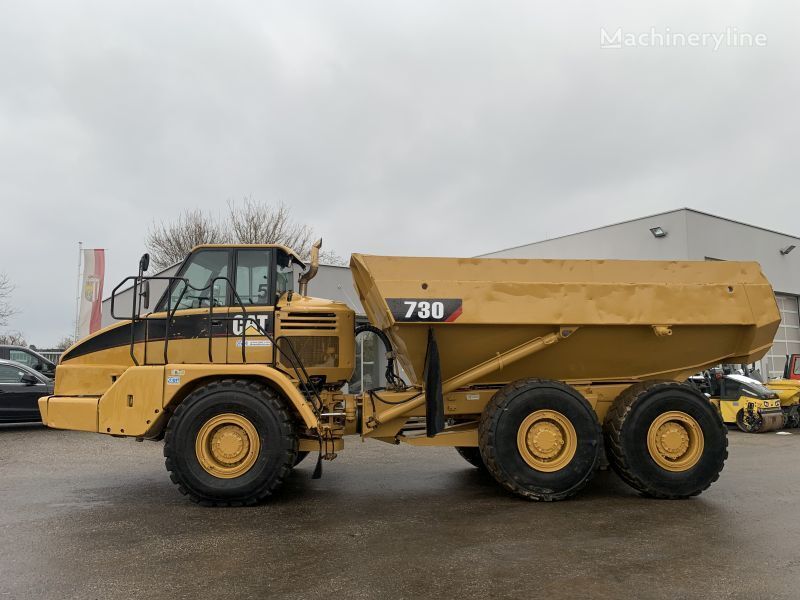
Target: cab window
column 201, row 270
column 253, row 268
column 284, row 273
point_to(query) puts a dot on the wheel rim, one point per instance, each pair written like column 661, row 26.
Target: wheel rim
column 227, row 445
column 675, row 441
column 547, row 440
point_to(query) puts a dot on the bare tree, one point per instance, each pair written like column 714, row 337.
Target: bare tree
column 169, row 243
column 12, row 338
column 257, row 223
column 6, row 310
column 247, row 222
column 64, row 343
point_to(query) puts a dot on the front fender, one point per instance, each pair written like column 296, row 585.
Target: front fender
column 179, row 377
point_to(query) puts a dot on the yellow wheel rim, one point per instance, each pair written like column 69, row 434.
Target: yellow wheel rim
column 227, row 445
column 547, row 440
column 675, row 441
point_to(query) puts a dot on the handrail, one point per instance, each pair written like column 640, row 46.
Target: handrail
column 295, row 363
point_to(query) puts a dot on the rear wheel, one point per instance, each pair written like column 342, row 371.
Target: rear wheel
column 665, row 439
column 230, row 442
column 540, row 439
column 471, row 454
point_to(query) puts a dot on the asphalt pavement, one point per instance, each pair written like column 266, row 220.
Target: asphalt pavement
column 90, row 516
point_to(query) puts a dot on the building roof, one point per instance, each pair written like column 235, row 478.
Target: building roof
column 642, row 218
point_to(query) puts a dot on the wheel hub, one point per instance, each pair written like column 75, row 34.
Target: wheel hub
column 546, row 440
column 227, row 445
column 675, row 441
column 672, row 440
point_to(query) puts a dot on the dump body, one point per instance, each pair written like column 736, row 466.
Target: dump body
column 632, row 319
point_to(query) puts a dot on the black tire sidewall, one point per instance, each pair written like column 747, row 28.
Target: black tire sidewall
column 276, row 447
column 641, row 464
column 472, row 455
column 507, row 457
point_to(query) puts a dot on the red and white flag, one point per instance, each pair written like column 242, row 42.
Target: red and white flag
column 90, row 312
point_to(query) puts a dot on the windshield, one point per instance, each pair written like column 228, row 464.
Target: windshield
column 756, row 385
column 202, row 268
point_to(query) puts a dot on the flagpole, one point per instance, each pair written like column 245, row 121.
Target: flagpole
column 78, row 290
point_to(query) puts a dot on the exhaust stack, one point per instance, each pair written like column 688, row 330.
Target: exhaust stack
column 312, row 269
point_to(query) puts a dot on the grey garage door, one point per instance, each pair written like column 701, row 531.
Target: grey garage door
column 787, row 340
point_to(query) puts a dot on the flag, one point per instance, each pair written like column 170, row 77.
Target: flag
column 89, row 314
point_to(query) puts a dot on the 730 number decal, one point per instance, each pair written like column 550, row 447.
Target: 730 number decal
column 416, row 310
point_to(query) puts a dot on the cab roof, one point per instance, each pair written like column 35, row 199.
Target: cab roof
column 286, row 249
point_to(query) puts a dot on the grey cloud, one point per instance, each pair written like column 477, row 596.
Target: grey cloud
column 410, row 128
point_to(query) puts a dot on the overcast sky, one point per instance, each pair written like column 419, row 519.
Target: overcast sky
column 423, row 128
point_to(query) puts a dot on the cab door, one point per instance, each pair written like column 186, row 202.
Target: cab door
column 192, row 335
column 252, row 309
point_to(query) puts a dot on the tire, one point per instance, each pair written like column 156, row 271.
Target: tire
column 471, row 454
column 503, row 438
column 301, row 454
column 273, row 436
column 627, row 427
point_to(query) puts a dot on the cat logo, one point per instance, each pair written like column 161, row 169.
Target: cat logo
column 255, row 324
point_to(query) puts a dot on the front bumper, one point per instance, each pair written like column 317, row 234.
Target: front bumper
column 76, row 413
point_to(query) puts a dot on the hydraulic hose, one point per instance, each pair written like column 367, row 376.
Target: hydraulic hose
column 392, row 379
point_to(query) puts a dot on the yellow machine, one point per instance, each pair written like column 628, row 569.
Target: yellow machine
column 788, row 390
column 746, row 402
column 530, row 368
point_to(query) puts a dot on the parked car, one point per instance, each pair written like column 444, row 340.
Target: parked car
column 29, row 358
column 20, row 390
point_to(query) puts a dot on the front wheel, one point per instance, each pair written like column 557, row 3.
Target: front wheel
column 230, row 443
column 749, row 422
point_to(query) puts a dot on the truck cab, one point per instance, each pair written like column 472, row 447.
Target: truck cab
column 234, row 310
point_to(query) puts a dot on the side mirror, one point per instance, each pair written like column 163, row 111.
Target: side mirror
column 38, row 366
column 144, row 262
column 144, row 293
column 29, row 379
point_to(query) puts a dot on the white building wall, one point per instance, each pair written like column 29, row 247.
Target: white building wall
column 712, row 237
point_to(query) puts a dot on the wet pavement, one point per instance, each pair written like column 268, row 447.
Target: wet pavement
column 89, row 516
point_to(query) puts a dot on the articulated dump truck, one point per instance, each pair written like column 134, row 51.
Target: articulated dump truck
column 530, row 369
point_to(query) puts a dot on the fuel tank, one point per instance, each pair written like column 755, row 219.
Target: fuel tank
column 632, row 319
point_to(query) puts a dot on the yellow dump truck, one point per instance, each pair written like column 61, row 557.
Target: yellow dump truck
column 530, row 368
